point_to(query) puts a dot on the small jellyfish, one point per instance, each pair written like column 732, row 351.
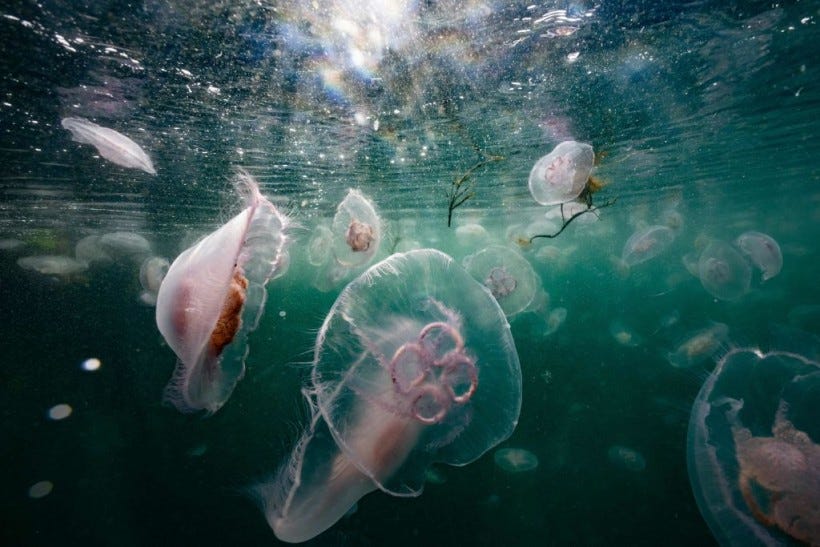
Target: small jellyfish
column 690, row 262
column 646, row 244
column 111, row 145
column 555, row 319
column 356, row 230
column 700, row 346
column 152, row 272
column 53, row 264
column 561, row 175
column 515, row 460
column 723, row 272
column 763, row 251
column 126, row 245
column 414, row 365
column 320, row 246
column 626, row 458
column 40, row 489
column 471, row 235
column 89, row 250
column 753, row 452
column 507, row 275
column 213, row 296
column 624, row 335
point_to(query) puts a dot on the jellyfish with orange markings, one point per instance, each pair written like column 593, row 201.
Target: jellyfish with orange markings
column 213, row 296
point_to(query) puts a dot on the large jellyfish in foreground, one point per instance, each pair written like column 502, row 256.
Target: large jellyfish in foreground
column 414, row 364
column 561, row 175
column 213, row 296
column 753, row 452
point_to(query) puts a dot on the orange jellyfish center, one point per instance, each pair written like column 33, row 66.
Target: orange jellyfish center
column 359, row 236
column 231, row 316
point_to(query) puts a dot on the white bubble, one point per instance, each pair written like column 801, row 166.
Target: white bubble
column 40, row 489
column 283, row 313
column 91, row 364
column 60, row 412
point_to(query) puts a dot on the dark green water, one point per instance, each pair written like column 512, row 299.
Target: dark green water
column 704, row 108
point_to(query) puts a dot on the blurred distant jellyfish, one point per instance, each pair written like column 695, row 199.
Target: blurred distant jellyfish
column 752, row 451
column 89, row 250
column 356, row 230
column 763, row 251
column 626, row 458
column 562, row 175
column 414, row 364
column 723, row 272
column 320, row 246
column 690, row 262
column 646, row 244
column 515, row 460
column 40, row 489
column 58, row 265
column 507, row 275
column 471, row 235
column 555, row 319
column 624, row 335
column 113, row 146
column 213, row 296
column 10, row 243
column 152, row 272
column 125, row 244
column 700, row 346
column 672, row 219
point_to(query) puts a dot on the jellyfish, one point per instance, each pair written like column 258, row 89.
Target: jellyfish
column 356, row 230
column 763, row 251
column 624, row 335
column 515, row 460
column 89, row 250
column 53, row 264
column 646, row 244
column 723, row 272
column 561, row 175
column 320, row 246
column 626, row 458
column 213, row 296
column 752, row 450
column 414, row 365
column 700, row 346
column 555, row 319
column 113, row 146
column 507, row 275
column 152, row 272
column 125, row 244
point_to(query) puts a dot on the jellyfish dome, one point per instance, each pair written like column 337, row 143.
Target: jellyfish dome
column 213, row 295
column 647, row 243
column 763, row 251
column 357, row 231
column 723, row 272
column 508, row 276
column 414, row 364
column 753, row 452
column 561, row 175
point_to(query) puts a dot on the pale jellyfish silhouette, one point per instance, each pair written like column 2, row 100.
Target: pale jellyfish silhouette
column 763, row 251
column 555, row 320
column 624, row 335
column 59, row 265
column 414, row 364
column 646, row 244
column 213, row 296
column 320, row 246
column 113, row 146
column 125, row 245
column 508, row 276
column 754, row 460
column 723, row 272
column 699, row 347
column 515, row 460
column 626, row 458
column 561, row 175
column 152, row 272
column 89, row 250
column 356, row 230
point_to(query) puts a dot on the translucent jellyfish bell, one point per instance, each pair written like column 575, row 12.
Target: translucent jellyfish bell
column 561, row 175
column 356, row 230
column 763, row 251
column 414, row 364
column 507, row 275
column 723, row 272
column 213, row 296
column 646, row 244
column 753, row 452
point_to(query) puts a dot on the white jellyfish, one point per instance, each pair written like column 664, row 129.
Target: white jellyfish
column 357, row 230
column 561, row 175
column 763, row 251
column 646, row 244
column 507, row 275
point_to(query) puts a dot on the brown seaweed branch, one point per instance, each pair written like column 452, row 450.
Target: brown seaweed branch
column 463, row 187
column 565, row 221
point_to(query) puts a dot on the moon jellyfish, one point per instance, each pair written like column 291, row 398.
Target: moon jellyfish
column 555, row 319
column 320, row 246
column 414, row 365
column 515, row 460
column 89, row 250
column 213, row 296
column 152, row 272
column 53, row 264
column 763, row 251
column 113, row 146
column 624, row 335
column 356, row 230
column 646, row 244
column 561, row 175
column 507, row 275
column 723, row 272
column 626, row 458
column 753, row 452
column 700, row 346
column 125, row 244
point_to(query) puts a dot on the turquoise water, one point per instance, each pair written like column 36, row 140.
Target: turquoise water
column 703, row 115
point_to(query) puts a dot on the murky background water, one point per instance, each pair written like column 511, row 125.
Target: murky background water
column 706, row 115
